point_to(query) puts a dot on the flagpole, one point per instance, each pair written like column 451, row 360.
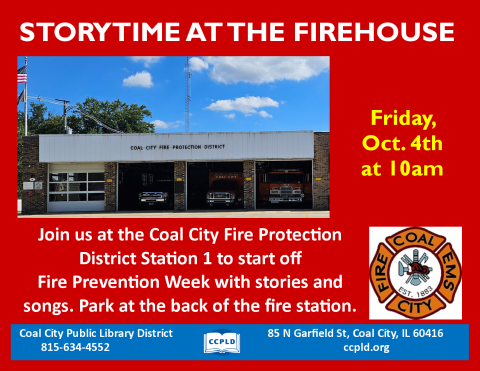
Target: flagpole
column 25, row 96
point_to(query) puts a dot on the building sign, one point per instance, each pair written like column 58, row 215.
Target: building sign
column 177, row 147
column 27, row 186
column 292, row 145
column 38, row 185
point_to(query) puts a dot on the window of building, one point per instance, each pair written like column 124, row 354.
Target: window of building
column 76, row 187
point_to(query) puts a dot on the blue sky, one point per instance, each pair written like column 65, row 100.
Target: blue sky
column 228, row 93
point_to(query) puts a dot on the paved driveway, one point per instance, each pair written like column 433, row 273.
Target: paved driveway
column 192, row 214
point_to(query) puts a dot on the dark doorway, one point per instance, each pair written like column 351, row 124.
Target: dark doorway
column 141, row 184
column 221, row 182
column 283, row 185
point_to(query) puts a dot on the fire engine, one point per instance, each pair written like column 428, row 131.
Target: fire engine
column 285, row 185
column 155, row 191
column 152, row 198
column 225, row 189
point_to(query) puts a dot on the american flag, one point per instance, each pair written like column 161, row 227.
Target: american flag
column 22, row 75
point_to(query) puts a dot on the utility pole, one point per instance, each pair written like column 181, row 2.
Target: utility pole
column 64, row 114
column 25, row 100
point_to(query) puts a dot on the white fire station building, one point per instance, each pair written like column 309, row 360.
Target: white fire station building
column 109, row 172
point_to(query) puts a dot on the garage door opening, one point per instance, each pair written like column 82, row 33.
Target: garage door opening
column 284, row 185
column 145, row 186
column 214, row 185
column 76, row 187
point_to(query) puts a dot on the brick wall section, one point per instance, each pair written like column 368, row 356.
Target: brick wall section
column 249, row 185
column 179, row 171
column 110, row 187
column 321, row 169
column 35, row 201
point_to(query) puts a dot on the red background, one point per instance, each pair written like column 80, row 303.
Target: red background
column 439, row 78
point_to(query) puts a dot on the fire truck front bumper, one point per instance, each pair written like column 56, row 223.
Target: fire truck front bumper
column 220, row 201
column 276, row 199
column 150, row 199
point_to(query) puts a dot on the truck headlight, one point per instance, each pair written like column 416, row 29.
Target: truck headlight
column 232, row 196
column 208, row 196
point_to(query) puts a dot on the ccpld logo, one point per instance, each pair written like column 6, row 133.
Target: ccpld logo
column 415, row 269
column 222, row 342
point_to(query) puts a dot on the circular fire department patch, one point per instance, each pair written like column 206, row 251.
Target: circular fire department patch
column 419, row 269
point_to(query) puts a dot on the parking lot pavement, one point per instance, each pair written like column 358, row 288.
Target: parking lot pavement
column 192, row 214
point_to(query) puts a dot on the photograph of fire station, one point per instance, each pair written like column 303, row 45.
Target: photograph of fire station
column 219, row 133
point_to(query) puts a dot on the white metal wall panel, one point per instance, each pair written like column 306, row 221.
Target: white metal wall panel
column 76, row 168
column 118, row 147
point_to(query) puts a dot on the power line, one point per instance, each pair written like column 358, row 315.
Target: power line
column 75, row 109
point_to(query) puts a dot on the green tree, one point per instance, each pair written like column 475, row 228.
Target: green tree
column 42, row 121
column 117, row 115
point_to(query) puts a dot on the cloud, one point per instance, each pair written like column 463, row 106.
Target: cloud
column 258, row 70
column 197, row 64
column 246, row 105
column 230, row 116
column 264, row 114
column 143, row 79
column 147, row 61
column 159, row 124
